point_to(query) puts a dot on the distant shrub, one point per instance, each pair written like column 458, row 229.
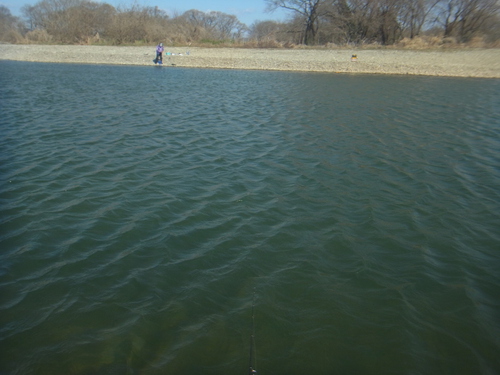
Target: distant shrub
column 12, row 36
column 449, row 41
column 39, row 36
column 476, row 42
column 420, row 42
column 269, row 43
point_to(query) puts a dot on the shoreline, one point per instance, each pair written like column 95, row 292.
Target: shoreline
column 479, row 63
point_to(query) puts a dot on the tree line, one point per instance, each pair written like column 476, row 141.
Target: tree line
column 86, row 21
column 385, row 22
column 310, row 22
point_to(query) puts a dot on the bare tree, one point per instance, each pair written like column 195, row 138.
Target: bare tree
column 265, row 30
column 226, row 26
column 29, row 13
column 10, row 26
column 87, row 20
column 309, row 11
column 129, row 24
column 275, row 34
column 389, row 29
column 363, row 21
column 213, row 25
column 414, row 14
column 49, row 13
column 464, row 18
column 70, row 21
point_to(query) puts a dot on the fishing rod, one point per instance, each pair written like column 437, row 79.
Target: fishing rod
column 253, row 360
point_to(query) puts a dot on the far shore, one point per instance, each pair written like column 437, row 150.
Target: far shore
column 481, row 63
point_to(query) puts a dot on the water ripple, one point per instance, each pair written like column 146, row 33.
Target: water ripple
column 141, row 207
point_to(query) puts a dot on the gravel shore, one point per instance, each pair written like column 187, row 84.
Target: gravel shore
column 483, row 63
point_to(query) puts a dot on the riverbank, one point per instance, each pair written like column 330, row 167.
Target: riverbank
column 483, row 63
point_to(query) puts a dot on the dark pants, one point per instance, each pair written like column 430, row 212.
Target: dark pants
column 159, row 57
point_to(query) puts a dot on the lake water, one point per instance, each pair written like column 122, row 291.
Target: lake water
column 144, row 210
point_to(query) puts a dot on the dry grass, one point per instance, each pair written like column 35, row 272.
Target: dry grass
column 419, row 43
column 434, row 42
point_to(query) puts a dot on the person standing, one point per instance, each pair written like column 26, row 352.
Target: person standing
column 159, row 54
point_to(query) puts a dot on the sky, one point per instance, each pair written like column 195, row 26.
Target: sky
column 247, row 11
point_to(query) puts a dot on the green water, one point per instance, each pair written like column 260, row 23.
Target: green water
column 141, row 208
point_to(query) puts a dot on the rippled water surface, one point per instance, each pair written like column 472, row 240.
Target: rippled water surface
column 141, row 207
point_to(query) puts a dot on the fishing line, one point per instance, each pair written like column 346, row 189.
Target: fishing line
column 253, row 356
